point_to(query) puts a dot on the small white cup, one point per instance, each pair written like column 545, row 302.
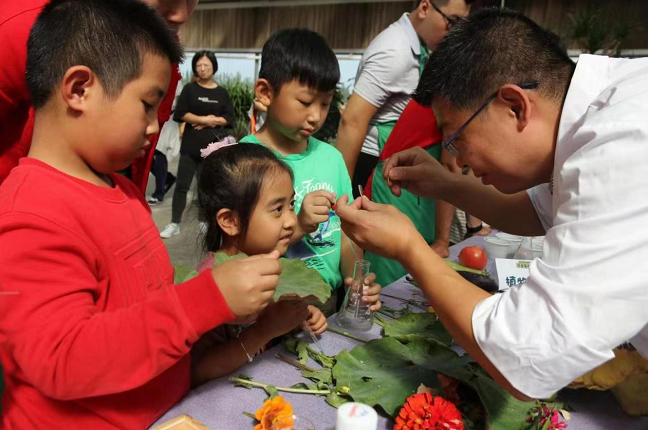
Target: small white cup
column 507, row 236
column 497, row 248
column 513, row 240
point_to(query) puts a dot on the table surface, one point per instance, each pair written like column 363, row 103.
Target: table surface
column 219, row 405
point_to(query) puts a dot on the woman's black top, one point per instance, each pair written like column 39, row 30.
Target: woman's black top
column 203, row 101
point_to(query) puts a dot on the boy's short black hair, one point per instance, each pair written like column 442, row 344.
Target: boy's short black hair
column 110, row 37
column 491, row 48
column 210, row 56
column 299, row 54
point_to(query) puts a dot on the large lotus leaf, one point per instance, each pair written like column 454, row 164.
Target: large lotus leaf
column 386, row 371
column 424, row 324
column 296, row 279
column 503, row 410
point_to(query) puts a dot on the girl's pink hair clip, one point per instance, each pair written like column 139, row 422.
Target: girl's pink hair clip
column 215, row 146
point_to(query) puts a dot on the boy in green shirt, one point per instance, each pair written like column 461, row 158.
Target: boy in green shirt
column 297, row 80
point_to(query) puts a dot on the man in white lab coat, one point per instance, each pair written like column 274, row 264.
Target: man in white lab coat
column 565, row 149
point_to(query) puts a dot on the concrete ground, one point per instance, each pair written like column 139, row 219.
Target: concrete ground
column 185, row 248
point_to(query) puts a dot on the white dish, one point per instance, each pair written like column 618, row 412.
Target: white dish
column 513, row 240
column 507, row 236
column 497, row 248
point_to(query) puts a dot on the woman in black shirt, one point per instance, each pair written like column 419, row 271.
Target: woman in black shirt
column 208, row 111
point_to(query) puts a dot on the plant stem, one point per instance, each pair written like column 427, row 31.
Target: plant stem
column 347, row 334
column 380, row 321
column 294, row 363
column 288, row 390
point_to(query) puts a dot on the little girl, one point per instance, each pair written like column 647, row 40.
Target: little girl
column 246, row 196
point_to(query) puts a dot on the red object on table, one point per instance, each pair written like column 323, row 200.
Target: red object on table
column 417, row 126
column 473, row 257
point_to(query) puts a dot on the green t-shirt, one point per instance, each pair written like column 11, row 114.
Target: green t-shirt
column 320, row 167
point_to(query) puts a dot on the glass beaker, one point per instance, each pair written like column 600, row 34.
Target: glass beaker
column 525, row 250
column 355, row 314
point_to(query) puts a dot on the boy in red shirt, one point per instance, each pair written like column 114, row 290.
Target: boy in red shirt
column 16, row 112
column 93, row 332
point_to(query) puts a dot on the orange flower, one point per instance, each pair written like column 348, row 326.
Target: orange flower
column 274, row 411
column 425, row 412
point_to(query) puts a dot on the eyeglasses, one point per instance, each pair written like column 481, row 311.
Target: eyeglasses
column 448, row 143
column 451, row 21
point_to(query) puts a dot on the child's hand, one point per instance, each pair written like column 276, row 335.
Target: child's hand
column 316, row 320
column 315, row 210
column 281, row 317
column 370, row 291
column 248, row 294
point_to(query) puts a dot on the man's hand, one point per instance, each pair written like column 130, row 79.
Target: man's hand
column 314, row 210
column 381, row 229
column 441, row 248
column 248, row 284
column 415, row 171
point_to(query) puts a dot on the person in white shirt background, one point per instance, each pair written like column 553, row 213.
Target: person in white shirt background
column 565, row 148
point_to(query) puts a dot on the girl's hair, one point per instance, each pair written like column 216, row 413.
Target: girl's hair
column 232, row 178
column 209, row 55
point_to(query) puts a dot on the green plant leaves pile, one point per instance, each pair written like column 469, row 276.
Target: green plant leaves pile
column 425, row 324
column 386, row 371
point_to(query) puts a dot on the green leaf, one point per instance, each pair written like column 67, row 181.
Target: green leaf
column 459, row 268
column 503, row 410
column 297, row 347
column 272, row 391
column 322, row 359
column 386, row 371
column 243, row 384
column 183, row 274
column 321, row 376
column 250, row 415
column 337, row 399
column 424, row 324
column 296, row 279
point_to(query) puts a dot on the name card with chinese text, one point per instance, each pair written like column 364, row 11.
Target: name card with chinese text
column 511, row 272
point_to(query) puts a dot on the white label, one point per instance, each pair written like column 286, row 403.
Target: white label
column 511, row 272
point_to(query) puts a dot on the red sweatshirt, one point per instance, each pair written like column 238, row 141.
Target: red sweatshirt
column 417, row 126
column 16, row 113
column 94, row 335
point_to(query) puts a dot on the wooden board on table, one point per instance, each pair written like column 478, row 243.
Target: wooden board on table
column 183, row 422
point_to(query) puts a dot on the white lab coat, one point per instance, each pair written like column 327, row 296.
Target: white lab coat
column 589, row 293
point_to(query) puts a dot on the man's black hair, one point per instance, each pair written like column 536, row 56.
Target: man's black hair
column 302, row 55
column 441, row 3
column 491, row 48
column 209, row 55
column 110, row 37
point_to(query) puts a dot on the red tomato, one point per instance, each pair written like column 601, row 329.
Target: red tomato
column 473, row 257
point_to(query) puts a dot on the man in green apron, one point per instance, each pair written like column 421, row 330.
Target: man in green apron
column 388, row 74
